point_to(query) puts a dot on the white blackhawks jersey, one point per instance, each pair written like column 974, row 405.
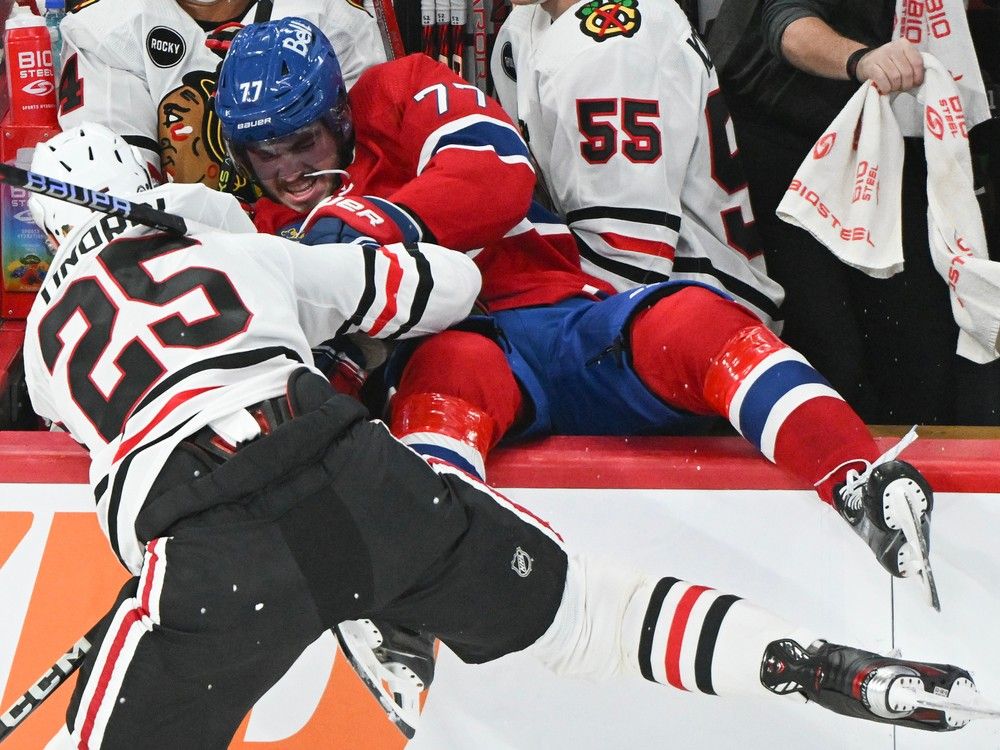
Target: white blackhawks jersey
column 621, row 107
column 138, row 338
column 142, row 68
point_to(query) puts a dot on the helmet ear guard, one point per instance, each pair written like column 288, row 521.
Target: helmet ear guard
column 91, row 156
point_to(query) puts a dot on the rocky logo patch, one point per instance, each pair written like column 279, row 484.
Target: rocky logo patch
column 165, row 47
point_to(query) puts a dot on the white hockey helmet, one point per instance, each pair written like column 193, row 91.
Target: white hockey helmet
column 88, row 155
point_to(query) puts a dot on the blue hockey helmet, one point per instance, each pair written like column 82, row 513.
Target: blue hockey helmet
column 277, row 78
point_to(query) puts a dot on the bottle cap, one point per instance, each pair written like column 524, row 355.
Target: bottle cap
column 24, row 21
column 55, row 5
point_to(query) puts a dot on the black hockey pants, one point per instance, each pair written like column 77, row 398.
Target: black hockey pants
column 327, row 518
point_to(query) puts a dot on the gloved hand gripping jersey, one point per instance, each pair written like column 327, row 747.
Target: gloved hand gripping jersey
column 348, row 218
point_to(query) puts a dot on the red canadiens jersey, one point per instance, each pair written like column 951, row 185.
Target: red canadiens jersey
column 621, row 106
column 434, row 143
column 138, row 339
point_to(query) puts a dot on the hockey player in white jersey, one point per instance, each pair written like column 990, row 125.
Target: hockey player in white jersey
column 233, row 310
column 622, row 110
column 147, row 70
column 256, row 508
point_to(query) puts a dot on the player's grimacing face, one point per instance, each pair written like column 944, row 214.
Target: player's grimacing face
column 284, row 166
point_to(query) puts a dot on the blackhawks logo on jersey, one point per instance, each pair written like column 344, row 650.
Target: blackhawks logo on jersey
column 604, row 19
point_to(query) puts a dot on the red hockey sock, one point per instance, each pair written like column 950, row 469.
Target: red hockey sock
column 456, row 399
column 702, row 353
column 673, row 343
column 821, row 436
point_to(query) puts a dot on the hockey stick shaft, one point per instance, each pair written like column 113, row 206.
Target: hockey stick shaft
column 45, row 685
column 95, row 200
column 388, row 26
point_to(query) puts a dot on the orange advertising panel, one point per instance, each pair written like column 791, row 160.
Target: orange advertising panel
column 59, row 577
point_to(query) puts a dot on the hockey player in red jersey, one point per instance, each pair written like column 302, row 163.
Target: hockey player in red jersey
column 422, row 154
column 255, row 508
column 429, row 152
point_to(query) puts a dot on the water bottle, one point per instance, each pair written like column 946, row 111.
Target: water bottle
column 55, row 11
column 30, row 79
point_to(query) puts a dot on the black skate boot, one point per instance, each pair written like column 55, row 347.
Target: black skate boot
column 395, row 663
column 889, row 506
column 877, row 505
column 934, row 697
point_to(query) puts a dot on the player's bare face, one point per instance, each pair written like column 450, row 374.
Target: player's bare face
column 286, row 166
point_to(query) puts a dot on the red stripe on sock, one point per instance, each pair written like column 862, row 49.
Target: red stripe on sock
column 675, row 639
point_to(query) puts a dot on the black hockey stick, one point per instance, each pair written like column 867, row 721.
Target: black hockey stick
column 45, row 685
column 95, row 200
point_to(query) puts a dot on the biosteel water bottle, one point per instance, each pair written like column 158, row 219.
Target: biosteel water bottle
column 30, row 78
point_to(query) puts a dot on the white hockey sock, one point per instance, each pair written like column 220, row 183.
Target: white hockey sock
column 613, row 619
column 698, row 639
column 585, row 638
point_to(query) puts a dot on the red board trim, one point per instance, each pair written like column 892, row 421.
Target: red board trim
column 951, row 465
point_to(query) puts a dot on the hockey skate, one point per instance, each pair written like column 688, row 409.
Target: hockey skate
column 395, row 663
column 889, row 506
column 852, row 682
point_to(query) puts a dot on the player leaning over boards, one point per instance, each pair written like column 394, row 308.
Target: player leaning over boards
column 573, row 357
column 147, row 69
column 256, row 508
column 164, row 356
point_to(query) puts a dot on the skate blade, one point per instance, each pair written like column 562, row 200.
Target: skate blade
column 967, row 705
column 402, row 713
column 910, row 525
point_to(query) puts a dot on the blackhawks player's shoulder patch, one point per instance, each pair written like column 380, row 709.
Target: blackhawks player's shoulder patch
column 604, row 19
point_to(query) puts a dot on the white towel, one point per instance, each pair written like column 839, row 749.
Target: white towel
column 847, row 194
column 940, row 28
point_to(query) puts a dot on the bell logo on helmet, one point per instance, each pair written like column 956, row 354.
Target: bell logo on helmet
column 302, row 39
